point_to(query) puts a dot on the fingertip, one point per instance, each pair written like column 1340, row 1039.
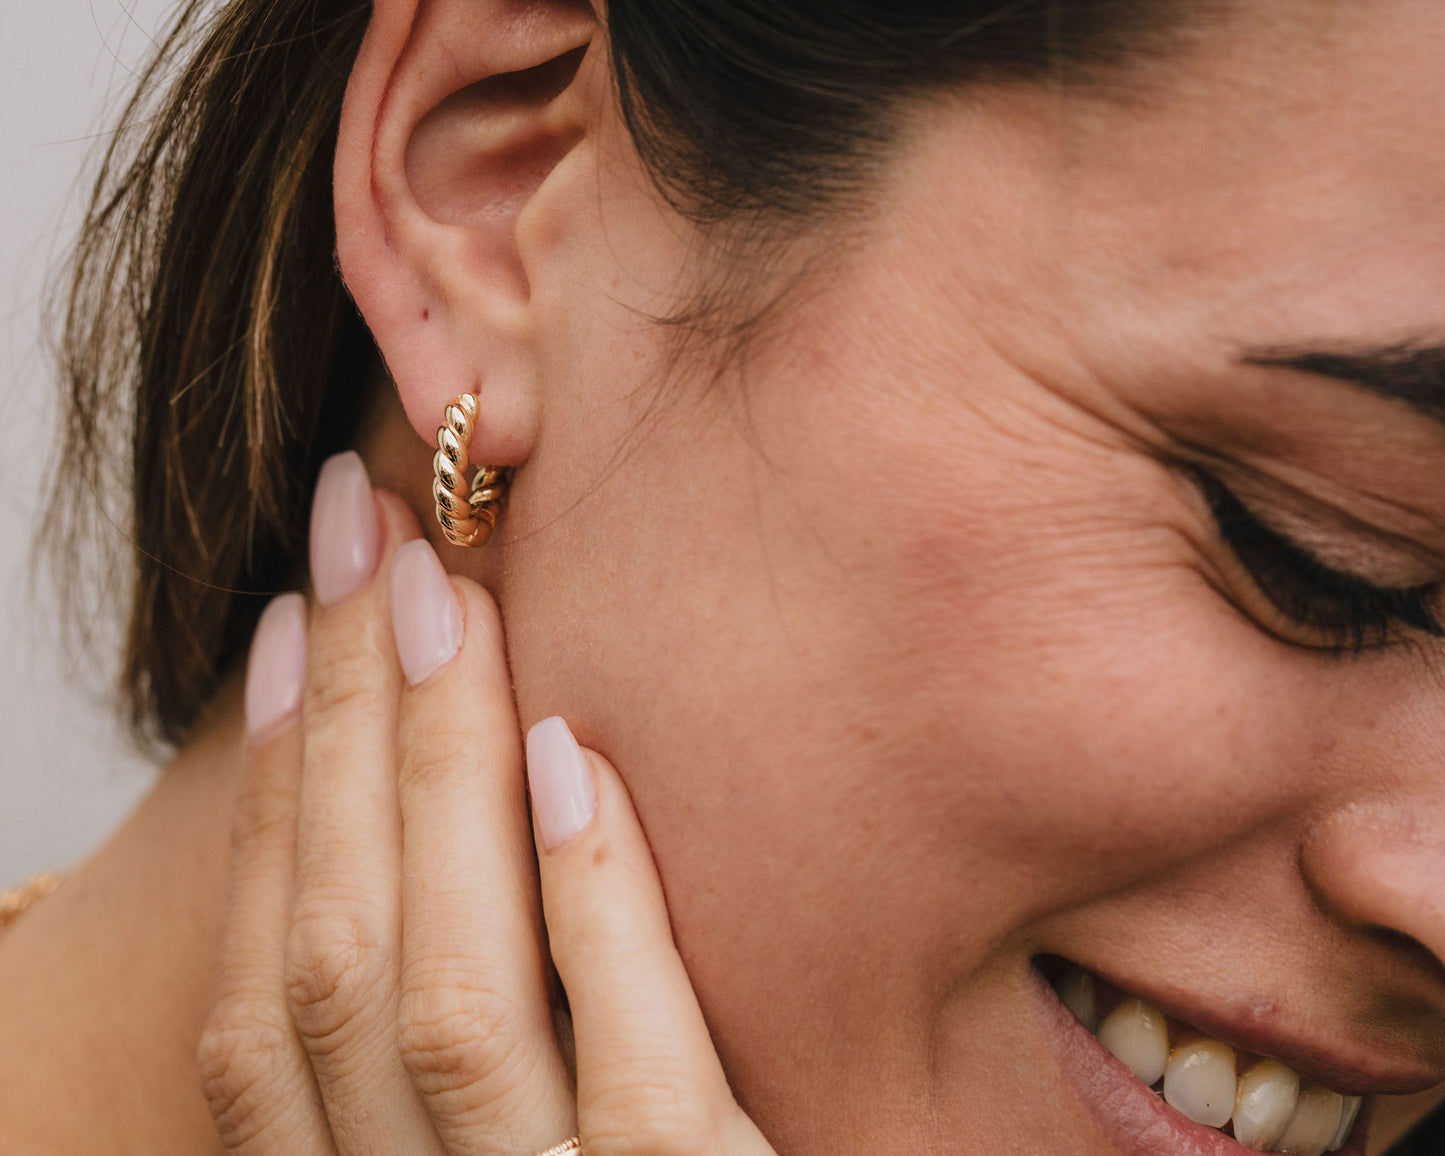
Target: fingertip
column 345, row 536
column 426, row 612
column 276, row 670
column 399, row 521
column 564, row 797
column 484, row 616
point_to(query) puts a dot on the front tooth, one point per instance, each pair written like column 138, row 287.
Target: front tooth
column 1347, row 1122
column 1076, row 991
column 1199, row 1082
column 1264, row 1101
column 1138, row 1037
column 1316, row 1119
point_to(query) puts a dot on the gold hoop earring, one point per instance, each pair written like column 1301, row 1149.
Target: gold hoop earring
column 467, row 512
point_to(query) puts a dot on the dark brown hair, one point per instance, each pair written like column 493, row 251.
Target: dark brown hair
column 208, row 337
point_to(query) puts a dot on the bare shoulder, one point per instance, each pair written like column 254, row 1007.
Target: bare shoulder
column 104, row 983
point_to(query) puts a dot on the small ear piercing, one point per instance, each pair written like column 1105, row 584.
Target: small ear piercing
column 468, row 513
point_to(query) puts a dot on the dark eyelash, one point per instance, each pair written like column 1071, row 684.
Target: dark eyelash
column 1348, row 612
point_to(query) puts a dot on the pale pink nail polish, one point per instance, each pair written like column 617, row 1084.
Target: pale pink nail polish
column 276, row 672
column 563, row 796
column 426, row 614
column 345, row 533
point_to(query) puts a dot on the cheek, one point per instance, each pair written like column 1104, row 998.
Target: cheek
column 880, row 715
column 1070, row 706
column 888, row 677
column 949, row 750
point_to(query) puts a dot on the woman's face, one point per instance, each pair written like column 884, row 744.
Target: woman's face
column 915, row 637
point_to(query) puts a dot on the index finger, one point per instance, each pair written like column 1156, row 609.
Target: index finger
column 648, row 1077
column 475, row 1026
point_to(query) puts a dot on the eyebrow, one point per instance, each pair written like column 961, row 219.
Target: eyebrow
column 1410, row 373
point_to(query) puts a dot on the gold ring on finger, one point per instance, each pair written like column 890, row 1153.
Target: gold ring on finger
column 562, row 1149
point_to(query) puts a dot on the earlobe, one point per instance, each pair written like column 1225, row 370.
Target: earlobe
column 456, row 113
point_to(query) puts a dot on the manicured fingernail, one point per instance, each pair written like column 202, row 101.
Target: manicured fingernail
column 425, row 612
column 276, row 673
column 563, row 797
column 345, row 534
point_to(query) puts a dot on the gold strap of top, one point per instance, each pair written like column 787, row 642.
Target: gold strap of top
column 16, row 902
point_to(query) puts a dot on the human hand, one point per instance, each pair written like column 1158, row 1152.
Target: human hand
column 384, row 983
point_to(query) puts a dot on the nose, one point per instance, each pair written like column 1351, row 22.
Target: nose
column 1383, row 865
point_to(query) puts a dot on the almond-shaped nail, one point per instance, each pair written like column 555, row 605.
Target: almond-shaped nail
column 345, row 532
column 564, row 798
column 276, row 672
column 426, row 614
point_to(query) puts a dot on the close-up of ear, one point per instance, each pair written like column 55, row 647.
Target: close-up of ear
column 456, row 114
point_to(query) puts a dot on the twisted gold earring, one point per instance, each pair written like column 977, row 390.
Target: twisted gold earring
column 468, row 513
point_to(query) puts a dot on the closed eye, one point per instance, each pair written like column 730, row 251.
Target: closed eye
column 1342, row 612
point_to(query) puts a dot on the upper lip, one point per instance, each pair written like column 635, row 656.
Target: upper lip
column 1321, row 1052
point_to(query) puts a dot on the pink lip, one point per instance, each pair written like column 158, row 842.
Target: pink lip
column 1131, row 1118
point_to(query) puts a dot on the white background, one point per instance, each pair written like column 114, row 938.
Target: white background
column 66, row 775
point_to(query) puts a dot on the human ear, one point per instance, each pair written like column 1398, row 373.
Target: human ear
column 456, row 114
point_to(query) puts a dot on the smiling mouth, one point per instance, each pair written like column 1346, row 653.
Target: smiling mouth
column 1264, row 1105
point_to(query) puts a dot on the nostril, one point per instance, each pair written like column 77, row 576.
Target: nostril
column 1379, row 871
column 1408, row 947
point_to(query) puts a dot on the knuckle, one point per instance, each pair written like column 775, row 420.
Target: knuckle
column 464, row 1045
column 334, row 976
column 241, row 1061
column 265, row 816
column 343, row 684
column 423, row 771
column 650, row 1115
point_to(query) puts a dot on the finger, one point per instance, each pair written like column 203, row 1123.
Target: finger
column 254, row 1071
column 648, row 1077
column 343, row 947
column 475, row 1021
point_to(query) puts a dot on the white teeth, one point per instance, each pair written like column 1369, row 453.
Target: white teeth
column 1138, row 1038
column 1347, row 1122
column 1270, row 1110
column 1076, row 991
column 1199, row 1082
column 1263, row 1104
column 1316, row 1119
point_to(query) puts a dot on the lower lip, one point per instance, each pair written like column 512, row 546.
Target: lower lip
column 1132, row 1119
